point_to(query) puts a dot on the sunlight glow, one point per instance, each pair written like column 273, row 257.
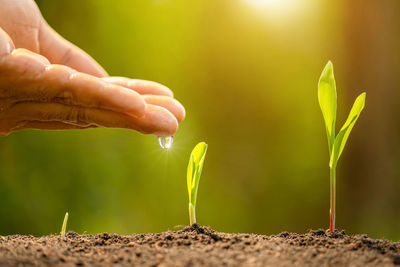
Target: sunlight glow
column 277, row 8
column 265, row 3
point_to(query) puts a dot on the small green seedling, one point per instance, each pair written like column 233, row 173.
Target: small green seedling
column 64, row 225
column 195, row 167
column 328, row 102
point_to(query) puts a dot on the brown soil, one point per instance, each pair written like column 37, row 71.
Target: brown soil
column 199, row 246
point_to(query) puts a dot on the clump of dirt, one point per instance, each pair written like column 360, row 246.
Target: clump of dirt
column 199, row 246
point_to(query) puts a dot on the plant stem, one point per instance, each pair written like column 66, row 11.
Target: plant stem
column 64, row 225
column 192, row 214
column 332, row 211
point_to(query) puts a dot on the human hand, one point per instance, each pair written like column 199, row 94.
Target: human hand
column 48, row 83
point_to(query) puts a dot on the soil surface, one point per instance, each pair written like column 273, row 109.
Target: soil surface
column 199, row 246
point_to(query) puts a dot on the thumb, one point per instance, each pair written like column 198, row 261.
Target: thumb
column 59, row 51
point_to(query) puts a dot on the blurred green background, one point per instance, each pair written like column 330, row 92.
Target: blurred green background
column 247, row 73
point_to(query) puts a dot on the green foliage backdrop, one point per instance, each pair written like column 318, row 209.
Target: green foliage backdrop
column 247, row 76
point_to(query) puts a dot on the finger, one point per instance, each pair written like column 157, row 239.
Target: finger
column 169, row 103
column 156, row 120
column 29, row 58
column 34, row 79
column 60, row 51
column 6, row 44
column 141, row 86
column 75, row 88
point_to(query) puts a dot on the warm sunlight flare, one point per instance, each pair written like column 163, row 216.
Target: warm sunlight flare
column 278, row 8
column 266, row 3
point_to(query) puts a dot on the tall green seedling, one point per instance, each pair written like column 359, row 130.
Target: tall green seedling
column 64, row 225
column 195, row 167
column 328, row 102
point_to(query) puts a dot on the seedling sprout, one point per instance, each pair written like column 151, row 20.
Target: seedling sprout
column 195, row 167
column 64, row 225
column 327, row 98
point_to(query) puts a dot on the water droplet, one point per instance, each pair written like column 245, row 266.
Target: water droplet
column 166, row 141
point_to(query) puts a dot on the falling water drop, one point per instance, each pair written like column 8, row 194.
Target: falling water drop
column 166, row 141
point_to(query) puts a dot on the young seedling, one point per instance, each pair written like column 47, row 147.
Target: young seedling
column 64, row 225
column 195, row 167
column 328, row 102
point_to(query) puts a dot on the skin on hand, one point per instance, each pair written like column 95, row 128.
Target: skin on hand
column 48, row 83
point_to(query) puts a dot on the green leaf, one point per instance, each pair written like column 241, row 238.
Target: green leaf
column 344, row 133
column 195, row 168
column 327, row 99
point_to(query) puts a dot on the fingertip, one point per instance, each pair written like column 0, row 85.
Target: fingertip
column 29, row 55
column 6, row 44
column 96, row 70
column 27, row 64
column 148, row 87
column 158, row 121
column 131, row 102
column 171, row 104
column 181, row 112
column 158, row 87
